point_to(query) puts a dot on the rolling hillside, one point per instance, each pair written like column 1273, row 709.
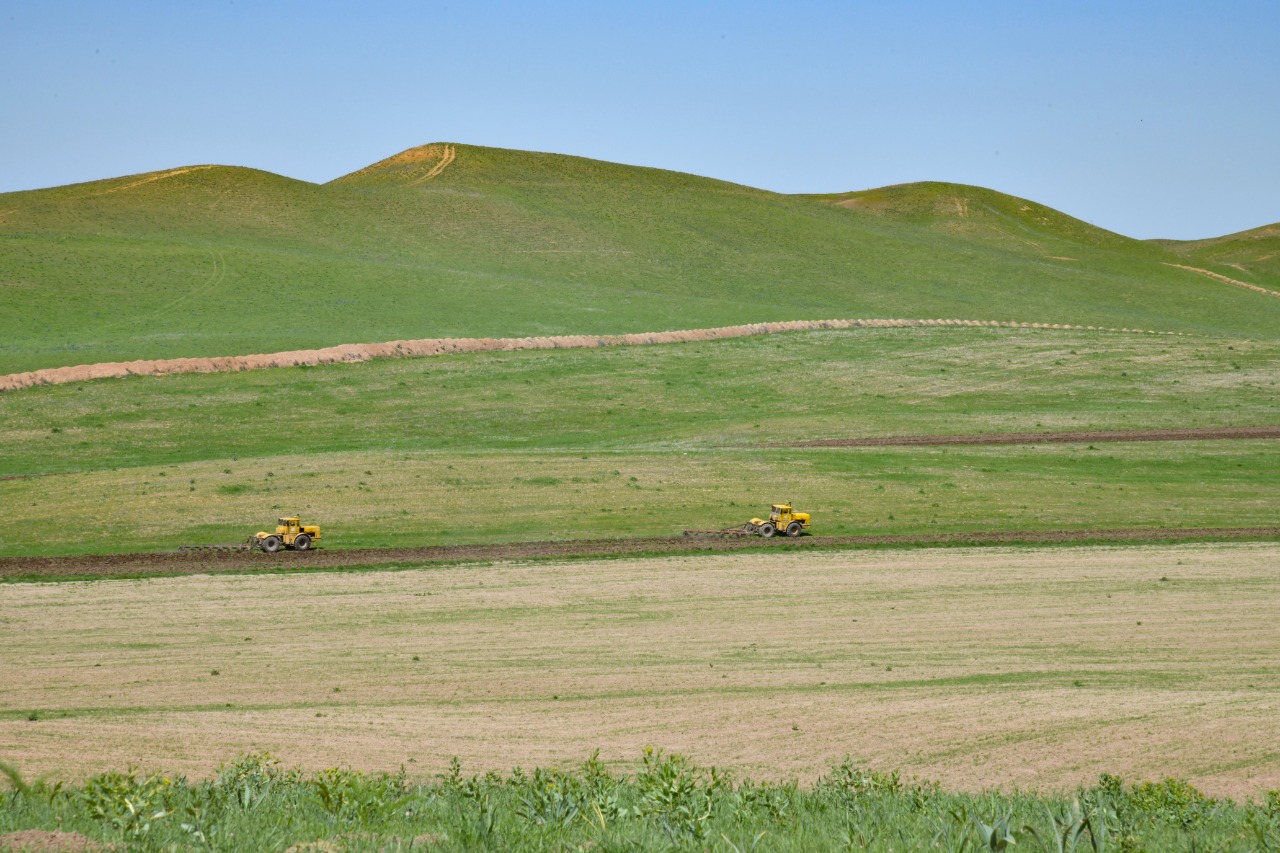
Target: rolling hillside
column 453, row 240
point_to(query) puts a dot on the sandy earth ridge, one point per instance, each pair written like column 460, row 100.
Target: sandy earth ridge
column 446, row 346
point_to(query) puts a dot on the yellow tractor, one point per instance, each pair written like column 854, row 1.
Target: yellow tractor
column 290, row 533
column 781, row 520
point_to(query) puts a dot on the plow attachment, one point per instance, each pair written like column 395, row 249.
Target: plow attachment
column 740, row 530
column 243, row 546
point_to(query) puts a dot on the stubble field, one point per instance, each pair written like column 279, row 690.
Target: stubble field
column 1012, row 668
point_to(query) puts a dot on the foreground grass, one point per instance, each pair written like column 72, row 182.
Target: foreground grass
column 666, row 804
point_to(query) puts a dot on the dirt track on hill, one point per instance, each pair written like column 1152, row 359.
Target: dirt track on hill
column 173, row 563
column 1066, row 437
column 1225, row 279
column 446, row 346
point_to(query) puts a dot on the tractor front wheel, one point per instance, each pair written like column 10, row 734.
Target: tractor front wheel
column 793, row 529
column 271, row 544
column 301, row 542
column 767, row 529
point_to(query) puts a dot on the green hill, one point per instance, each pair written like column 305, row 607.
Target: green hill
column 455, row 240
column 1004, row 221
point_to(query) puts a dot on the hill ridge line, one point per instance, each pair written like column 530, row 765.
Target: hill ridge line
column 346, row 353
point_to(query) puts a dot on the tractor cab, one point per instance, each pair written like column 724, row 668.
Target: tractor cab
column 290, row 533
column 782, row 519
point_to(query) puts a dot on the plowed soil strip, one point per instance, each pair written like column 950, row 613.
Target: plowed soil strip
column 141, row 565
column 1082, row 436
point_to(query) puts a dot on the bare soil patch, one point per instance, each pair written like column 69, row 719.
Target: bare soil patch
column 1062, row 437
column 42, row 841
column 976, row 667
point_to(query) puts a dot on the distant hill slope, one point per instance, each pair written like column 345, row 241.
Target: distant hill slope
column 982, row 215
column 459, row 241
column 1252, row 256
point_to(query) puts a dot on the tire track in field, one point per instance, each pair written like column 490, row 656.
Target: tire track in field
column 345, row 353
column 195, row 562
column 217, row 275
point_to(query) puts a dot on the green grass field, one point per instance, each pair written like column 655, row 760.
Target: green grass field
column 220, row 261
column 647, row 441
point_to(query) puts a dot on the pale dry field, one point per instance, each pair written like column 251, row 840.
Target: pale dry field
column 975, row 667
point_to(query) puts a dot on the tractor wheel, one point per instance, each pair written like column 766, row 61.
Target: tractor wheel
column 793, row 529
column 271, row 544
column 301, row 542
column 767, row 529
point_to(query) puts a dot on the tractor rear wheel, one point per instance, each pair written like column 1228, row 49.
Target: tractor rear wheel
column 767, row 529
column 271, row 544
column 301, row 542
column 794, row 528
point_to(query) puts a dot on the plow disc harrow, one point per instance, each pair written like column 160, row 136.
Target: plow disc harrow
column 243, row 546
column 740, row 530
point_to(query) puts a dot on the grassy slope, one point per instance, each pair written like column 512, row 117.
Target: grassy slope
column 646, row 441
column 220, row 260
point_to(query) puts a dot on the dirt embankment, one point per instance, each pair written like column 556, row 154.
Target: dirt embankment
column 1080, row 436
column 445, row 346
column 192, row 563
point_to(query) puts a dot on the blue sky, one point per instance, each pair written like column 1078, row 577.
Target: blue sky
column 1151, row 119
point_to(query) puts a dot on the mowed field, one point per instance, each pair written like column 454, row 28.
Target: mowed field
column 1013, row 668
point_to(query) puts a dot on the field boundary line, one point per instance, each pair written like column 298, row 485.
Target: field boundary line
column 346, row 353
column 1224, row 279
